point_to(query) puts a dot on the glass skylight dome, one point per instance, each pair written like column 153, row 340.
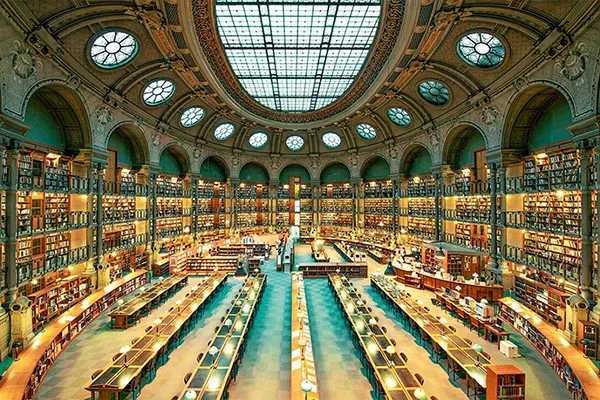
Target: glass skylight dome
column 297, row 56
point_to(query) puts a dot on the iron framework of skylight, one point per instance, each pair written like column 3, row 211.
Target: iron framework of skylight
column 297, row 55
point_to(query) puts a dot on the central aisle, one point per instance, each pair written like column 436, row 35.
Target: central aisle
column 265, row 369
column 339, row 371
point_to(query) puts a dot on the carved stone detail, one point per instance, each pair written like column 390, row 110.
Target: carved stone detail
column 572, row 65
column 104, row 115
column 488, row 115
column 24, row 64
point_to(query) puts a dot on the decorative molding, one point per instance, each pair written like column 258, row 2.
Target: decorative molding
column 24, row 64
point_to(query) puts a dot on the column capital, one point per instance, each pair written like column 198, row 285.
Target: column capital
column 315, row 182
column 586, row 130
column 13, row 128
column 503, row 158
column 93, row 157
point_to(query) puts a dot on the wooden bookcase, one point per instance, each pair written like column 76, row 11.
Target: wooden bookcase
column 547, row 301
column 591, row 331
column 48, row 302
column 322, row 270
column 207, row 265
column 505, row 382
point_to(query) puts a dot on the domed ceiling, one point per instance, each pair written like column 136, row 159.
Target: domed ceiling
column 295, row 57
column 293, row 77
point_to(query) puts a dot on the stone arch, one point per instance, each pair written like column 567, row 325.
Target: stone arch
column 524, row 109
column 180, row 153
column 409, row 155
column 260, row 164
column 369, row 161
column 135, row 139
column 298, row 163
column 69, row 109
column 332, row 163
column 218, row 159
column 455, row 140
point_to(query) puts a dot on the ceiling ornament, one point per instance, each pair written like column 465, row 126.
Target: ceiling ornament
column 24, row 64
column 204, row 21
column 572, row 65
column 104, row 115
column 444, row 19
column 488, row 115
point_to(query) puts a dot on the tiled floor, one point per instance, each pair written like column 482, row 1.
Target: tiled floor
column 265, row 370
column 264, row 373
column 95, row 346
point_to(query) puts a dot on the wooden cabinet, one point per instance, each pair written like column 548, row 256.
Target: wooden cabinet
column 505, row 382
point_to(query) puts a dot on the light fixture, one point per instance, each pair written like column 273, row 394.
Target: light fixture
column 163, row 250
column 542, row 155
column 440, row 255
column 466, row 172
column 157, row 322
column 417, row 179
column 186, row 229
column 560, row 194
column 190, row 395
column 420, row 394
column 477, row 347
column 306, row 387
column 484, row 301
column 458, row 288
column 390, row 349
column 124, row 350
column 213, row 351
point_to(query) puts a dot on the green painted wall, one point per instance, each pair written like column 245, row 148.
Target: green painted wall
column 551, row 127
column 44, row 128
column 213, row 169
column 376, row 169
column 335, row 173
column 421, row 164
column 475, row 141
column 118, row 142
column 170, row 164
column 254, row 173
column 294, row 170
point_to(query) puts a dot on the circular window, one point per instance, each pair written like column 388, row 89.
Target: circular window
column 399, row 116
column 480, row 49
column 191, row 116
column 113, row 49
column 224, row 131
column 434, row 92
column 332, row 140
column 258, row 139
column 366, row 131
column 158, row 91
column 294, row 143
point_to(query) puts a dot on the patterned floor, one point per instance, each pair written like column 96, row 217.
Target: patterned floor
column 95, row 346
column 264, row 373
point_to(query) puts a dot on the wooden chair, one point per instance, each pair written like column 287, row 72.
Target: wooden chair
column 486, row 355
column 199, row 357
column 420, row 378
column 393, row 341
column 114, row 358
column 134, row 340
column 174, row 397
column 469, row 341
column 453, row 329
column 171, row 309
column 148, row 329
column 96, row 373
column 187, row 377
column 370, row 309
column 404, row 357
column 384, row 329
column 376, row 318
column 426, row 308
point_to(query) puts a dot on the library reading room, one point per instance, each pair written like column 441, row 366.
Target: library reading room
column 299, row 199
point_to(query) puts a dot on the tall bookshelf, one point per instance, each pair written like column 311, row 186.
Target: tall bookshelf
column 211, row 206
column 252, row 205
column 505, row 382
column 337, row 206
column 378, row 206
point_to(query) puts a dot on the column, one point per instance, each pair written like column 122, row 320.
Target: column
column 152, row 191
column 585, row 277
column 233, row 196
column 195, row 181
column 502, row 206
column 355, row 203
column 437, row 182
column 395, row 183
column 13, row 148
column 316, row 208
column 89, row 166
column 99, row 170
column 273, row 197
column 494, row 221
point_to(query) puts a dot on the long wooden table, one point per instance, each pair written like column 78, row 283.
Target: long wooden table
column 128, row 313
column 211, row 378
column 303, row 360
column 454, row 345
column 394, row 379
column 123, row 374
column 581, row 376
column 24, row 377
